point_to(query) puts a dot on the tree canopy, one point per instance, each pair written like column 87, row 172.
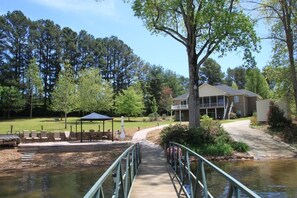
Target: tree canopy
column 282, row 18
column 129, row 102
column 64, row 95
column 44, row 41
column 210, row 72
column 256, row 83
column 203, row 27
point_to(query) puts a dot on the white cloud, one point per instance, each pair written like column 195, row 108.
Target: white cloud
column 96, row 7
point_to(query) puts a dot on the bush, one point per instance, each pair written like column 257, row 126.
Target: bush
column 218, row 150
column 276, row 117
column 254, row 121
column 176, row 133
column 240, row 146
column 153, row 117
column 233, row 115
column 209, row 139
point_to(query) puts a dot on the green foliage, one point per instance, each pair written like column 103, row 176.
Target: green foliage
column 23, row 39
column 64, row 95
column 154, row 107
column 210, row 72
column 34, row 84
column 254, row 121
column 153, row 116
column 236, row 75
column 213, row 127
column 50, row 124
column 234, row 85
column 222, row 149
column 209, row 139
column 282, row 17
column 94, row 93
column 129, row 102
column 240, row 146
column 10, row 100
column 276, row 118
column 203, row 27
column 177, row 133
column 256, row 82
column 166, row 99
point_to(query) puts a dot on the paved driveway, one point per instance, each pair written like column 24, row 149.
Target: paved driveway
column 262, row 145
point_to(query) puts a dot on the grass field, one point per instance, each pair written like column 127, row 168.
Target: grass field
column 51, row 124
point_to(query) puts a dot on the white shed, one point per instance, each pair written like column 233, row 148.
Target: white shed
column 263, row 109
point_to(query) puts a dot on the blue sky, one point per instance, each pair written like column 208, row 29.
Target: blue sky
column 113, row 17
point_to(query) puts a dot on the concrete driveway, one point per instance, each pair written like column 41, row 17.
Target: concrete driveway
column 262, row 145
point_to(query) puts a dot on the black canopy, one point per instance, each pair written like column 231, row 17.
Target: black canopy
column 94, row 117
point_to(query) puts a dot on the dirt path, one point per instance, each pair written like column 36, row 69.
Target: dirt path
column 262, row 145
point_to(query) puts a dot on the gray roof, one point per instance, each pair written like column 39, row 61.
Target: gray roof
column 249, row 93
column 182, row 97
column 228, row 90
column 96, row 116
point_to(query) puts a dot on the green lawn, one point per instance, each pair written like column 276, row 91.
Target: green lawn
column 50, row 124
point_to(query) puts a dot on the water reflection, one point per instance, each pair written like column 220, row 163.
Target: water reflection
column 49, row 183
column 267, row 178
column 274, row 178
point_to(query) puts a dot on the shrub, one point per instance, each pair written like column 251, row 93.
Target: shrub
column 176, row 133
column 213, row 127
column 233, row 115
column 209, row 139
column 218, row 150
column 153, row 117
column 254, row 121
column 240, row 146
column 276, row 117
column 223, row 138
column 199, row 136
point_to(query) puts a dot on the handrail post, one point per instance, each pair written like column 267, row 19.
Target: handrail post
column 122, row 180
column 198, row 180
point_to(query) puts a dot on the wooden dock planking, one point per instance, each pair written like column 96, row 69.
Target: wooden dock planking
column 153, row 179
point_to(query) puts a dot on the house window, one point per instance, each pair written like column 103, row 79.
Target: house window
column 206, row 101
column 220, row 100
column 213, row 101
column 236, row 99
column 184, row 102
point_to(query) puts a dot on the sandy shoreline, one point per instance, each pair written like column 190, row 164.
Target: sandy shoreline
column 10, row 159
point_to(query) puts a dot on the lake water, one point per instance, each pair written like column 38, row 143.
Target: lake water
column 59, row 182
column 273, row 178
column 277, row 178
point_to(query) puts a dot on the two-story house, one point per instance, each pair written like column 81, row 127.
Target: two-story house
column 218, row 102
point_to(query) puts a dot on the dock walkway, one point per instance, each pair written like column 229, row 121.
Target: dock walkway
column 153, row 179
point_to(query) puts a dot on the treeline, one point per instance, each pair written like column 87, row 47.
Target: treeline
column 50, row 47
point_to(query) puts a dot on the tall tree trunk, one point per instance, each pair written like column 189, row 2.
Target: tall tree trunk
column 31, row 104
column 65, row 120
column 287, row 19
column 293, row 72
column 194, row 107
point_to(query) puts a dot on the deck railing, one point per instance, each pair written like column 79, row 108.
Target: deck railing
column 193, row 179
column 117, row 180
